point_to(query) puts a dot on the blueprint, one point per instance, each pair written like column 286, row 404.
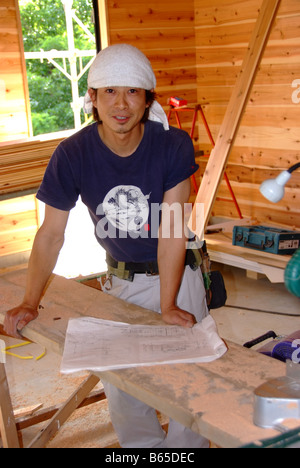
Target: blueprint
column 100, row 345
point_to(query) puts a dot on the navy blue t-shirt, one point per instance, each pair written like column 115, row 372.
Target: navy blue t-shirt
column 123, row 194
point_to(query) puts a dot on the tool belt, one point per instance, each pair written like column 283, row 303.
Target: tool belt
column 215, row 289
column 127, row 270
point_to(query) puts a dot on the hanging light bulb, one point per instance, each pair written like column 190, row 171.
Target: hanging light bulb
column 273, row 189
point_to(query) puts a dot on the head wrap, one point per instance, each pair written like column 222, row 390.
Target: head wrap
column 124, row 65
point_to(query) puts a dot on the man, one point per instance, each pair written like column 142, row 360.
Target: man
column 125, row 166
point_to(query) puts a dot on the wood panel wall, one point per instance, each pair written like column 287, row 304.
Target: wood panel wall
column 164, row 31
column 14, row 101
column 19, row 223
column 269, row 137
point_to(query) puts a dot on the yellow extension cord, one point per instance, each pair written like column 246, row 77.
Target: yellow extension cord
column 5, row 350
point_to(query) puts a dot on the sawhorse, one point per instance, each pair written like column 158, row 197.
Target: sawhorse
column 195, row 110
column 8, row 428
column 8, row 422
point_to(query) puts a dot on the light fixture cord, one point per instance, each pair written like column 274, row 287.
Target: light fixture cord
column 293, row 168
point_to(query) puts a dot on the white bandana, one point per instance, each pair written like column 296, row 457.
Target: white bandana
column 124, row 65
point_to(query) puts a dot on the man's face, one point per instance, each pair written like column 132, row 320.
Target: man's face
column 120, row 109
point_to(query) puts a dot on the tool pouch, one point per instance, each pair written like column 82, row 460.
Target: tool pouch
column 216, row 294
column 217, row 291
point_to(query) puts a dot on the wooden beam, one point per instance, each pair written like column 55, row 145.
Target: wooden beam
column 9, row 434
column 42, row 415
column 64, row 413
column 103, row 21
column 24, row 71
column 218, row 160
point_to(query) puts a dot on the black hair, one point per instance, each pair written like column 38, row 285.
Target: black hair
column 150, row 98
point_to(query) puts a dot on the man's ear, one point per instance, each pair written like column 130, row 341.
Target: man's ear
column 93, row 96
column 148, row 104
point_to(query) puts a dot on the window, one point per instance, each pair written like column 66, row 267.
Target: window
column 59, row 47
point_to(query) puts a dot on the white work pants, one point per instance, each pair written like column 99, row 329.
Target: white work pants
column 136, row 423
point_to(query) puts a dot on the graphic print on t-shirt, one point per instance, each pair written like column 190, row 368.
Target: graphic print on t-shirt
column 126, row 208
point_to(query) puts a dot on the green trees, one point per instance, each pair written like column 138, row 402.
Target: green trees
column 44, row 29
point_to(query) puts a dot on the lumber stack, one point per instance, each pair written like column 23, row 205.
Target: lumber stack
column 22, row 168
column 22, row 165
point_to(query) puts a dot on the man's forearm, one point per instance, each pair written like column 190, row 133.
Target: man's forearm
column 45, row 251
column 171, row 258
column 42, row 261
column 171, row 254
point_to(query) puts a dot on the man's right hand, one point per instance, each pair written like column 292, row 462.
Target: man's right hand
column 16, row 319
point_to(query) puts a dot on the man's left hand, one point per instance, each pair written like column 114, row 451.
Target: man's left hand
column 176, row 316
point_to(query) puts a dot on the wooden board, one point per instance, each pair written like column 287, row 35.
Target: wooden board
column 19, row 224
column 8, row 430
column 214, row 399
column 15, row 108
column 22, row 165
column 61, row 416
column 223, row 243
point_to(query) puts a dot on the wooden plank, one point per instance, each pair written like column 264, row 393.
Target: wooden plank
column 17, row 222
column 268, row 74
column 140, row 14
column 6, row 3
column 17, row 205
column 285, row 32
column 208, row 14
column 9, row 41
column 8, row 428
column 13, row 73
column 284, row 54
column 178, row 37
column 195, row 394
column 261, row 95
column 250, row 194
column 263, row 214
column 22, row 165
column 26, row 412
column 218, row 13
column 103, row 23
column 215, row 399
column 271, row 116
column 22, row 422
column 255, row 175
column 223, row 243
column 66, row 299
column 64, row 412
column 230, row 126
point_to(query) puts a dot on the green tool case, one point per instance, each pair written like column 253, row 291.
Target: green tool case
column 267, row 239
